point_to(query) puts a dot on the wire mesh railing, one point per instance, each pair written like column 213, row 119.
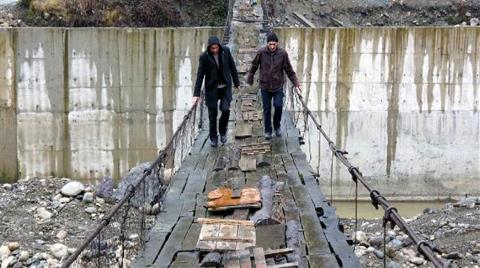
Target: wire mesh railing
column 122, row 232
column 305, row 120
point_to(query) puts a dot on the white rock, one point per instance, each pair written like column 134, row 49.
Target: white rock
column 89, row 189
column 71, row 250
column 4, row 252
column 72, row 188
column 361, row 237
column 24, row 255
column 417, row 260
column 370, row 249
column 65, row 200
column 474, row 22
column 62, row 235
column 57, row 197
column 91, row 210
column 7, row 186
column 12, row 246
column 100, row 201
column 6, row 262
column 59, row 250
column 43, row 213
column 88, row 197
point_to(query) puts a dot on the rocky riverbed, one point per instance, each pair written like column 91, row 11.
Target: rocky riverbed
column 454, row 229
column 43, row 220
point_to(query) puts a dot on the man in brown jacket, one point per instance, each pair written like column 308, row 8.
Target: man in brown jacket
column 273, row 61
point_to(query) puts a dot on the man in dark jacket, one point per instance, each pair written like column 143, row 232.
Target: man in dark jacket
column 217, row 66
column 273, row 61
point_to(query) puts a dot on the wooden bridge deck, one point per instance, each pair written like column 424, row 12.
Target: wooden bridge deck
column 299, row 202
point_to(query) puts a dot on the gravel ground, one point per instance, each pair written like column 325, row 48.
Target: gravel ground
column 40, row 225
column 455, row 230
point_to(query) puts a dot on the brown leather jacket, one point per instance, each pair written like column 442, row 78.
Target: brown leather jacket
column 272, row 65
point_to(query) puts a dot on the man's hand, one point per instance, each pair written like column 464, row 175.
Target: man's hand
column 236, row 90
column 195, row 100
column 299, row 89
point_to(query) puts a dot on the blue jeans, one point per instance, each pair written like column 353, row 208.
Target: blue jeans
column 277, row 97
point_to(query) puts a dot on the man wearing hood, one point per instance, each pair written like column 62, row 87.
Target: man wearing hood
column 217, row 66
column 273, row 62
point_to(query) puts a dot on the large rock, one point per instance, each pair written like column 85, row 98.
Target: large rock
column 72, row 188
column 361, row 237
column 153, row 187
column 105, row 188
column 58, row 250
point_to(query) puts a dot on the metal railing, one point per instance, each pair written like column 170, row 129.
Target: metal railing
column 301, row 114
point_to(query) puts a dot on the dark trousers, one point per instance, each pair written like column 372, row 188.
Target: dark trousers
column 267, row 97
column 213, row 114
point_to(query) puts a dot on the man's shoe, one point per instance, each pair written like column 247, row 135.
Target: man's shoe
column 268, row 135
column 213, row 142
column 278, row 132
column 223, row 138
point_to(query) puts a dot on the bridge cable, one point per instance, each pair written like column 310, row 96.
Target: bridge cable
column 391, row 214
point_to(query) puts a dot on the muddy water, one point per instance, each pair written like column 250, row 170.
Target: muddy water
column 346, row 209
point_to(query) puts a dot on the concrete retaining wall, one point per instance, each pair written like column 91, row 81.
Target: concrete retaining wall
column 84, row 103
column 403, row 102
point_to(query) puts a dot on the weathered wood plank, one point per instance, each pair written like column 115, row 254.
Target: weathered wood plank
column 271, row 236
column 314, row 236
column 264, row 215
column 185, row 259
column 248, row 232
column 322, row 261
column 245, row 261
column 189, row 243
column 173, row 243
column 259, row 256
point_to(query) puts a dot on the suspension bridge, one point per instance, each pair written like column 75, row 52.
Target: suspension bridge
column 296, row 225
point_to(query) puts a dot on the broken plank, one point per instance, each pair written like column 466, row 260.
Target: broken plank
column 285, row 265
column 208, row 230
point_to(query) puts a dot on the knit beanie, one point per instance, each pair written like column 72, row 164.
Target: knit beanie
column 272, row 37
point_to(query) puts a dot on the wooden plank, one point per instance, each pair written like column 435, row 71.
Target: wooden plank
column 227, row 235
column 323, row 261
column 284, row 265
column 259, row 257
column 224, row 221
column 243, row 130
column 185, row 259
column 269, row 253
column 270, row 236
column 248, row 163
column 200, row 210
column 245, row 261
column 173, row 243
column 215, row 180
column 147, row 256
column 189, row 243
column 241, row 206
column 314, row 236
column 303, row 20
column 247, row 232
column 208, row 230
column 231, row 260
column 196, row 182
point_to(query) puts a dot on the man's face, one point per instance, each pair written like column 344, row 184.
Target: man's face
column 272, row 46
column 214, row 49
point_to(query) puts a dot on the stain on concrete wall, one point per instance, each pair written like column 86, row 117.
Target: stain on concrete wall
column 8, row 116
column 403, row 101
column 85, row 103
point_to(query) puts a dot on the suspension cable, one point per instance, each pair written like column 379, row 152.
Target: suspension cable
column 426, row 248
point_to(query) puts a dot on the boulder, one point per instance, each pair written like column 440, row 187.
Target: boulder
column 72, row 189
